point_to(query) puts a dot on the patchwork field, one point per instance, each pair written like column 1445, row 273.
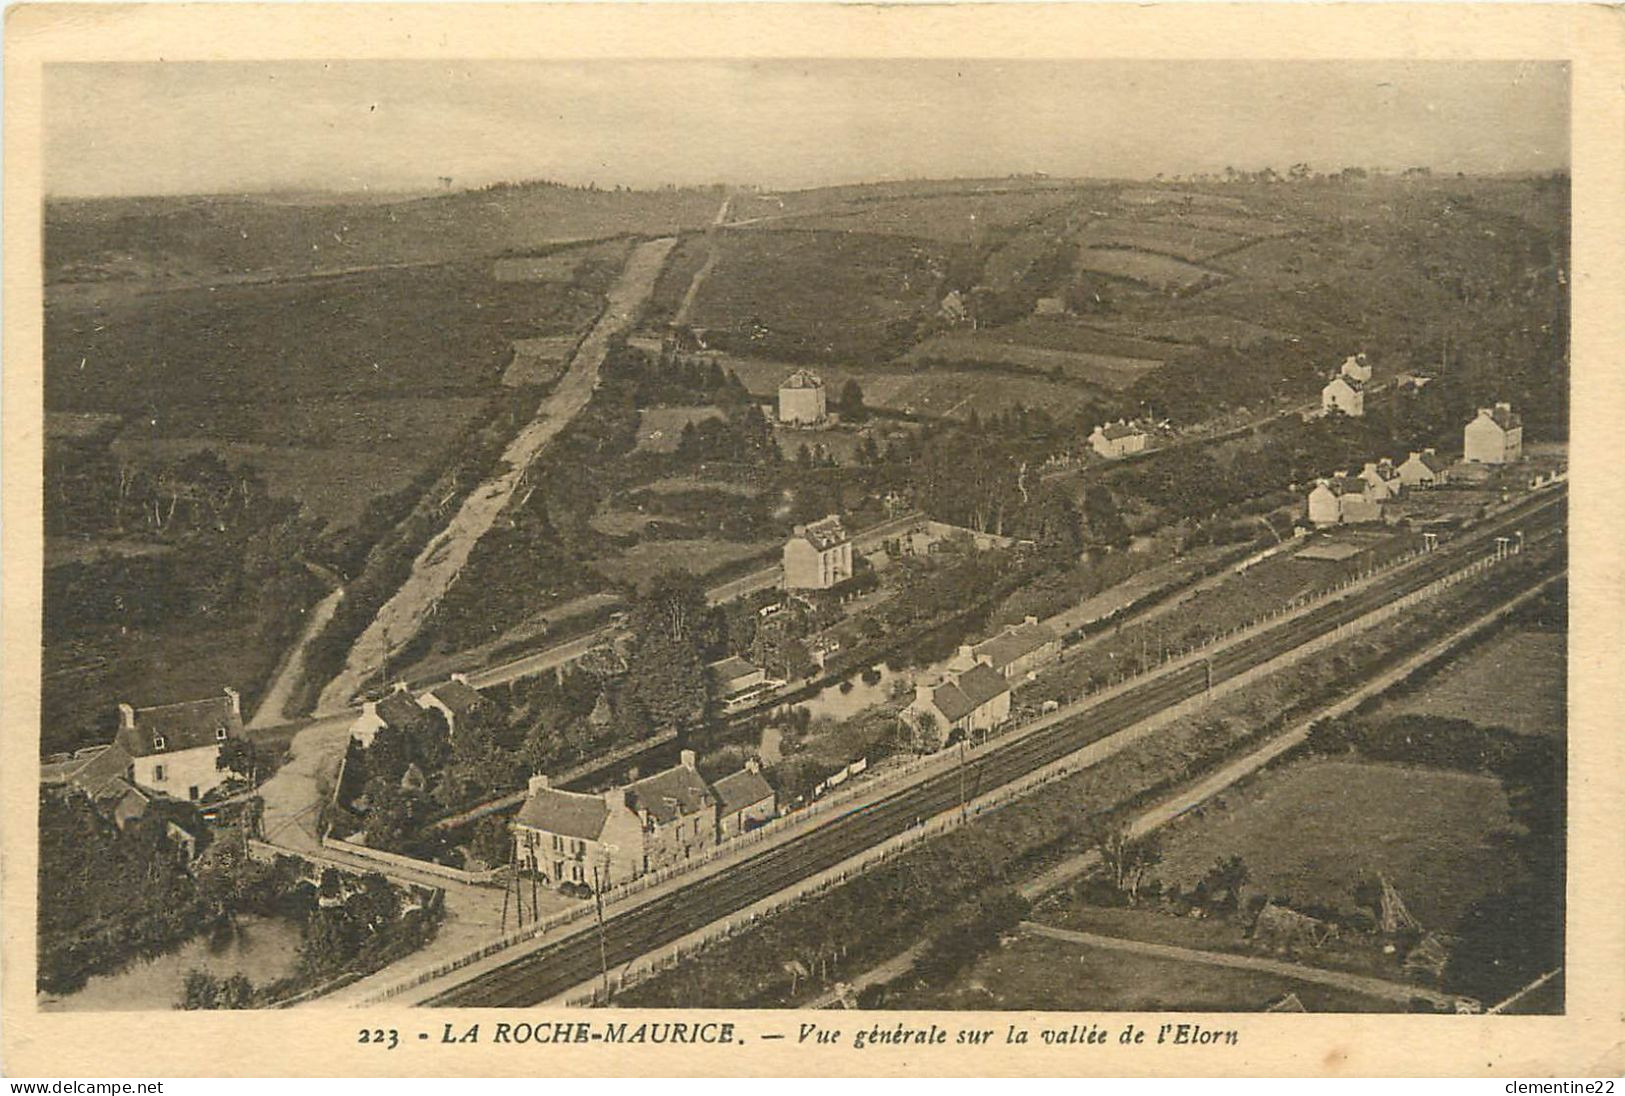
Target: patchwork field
column 1518, row 680
column 539, row 361
column 1104, row 370
column 1314, row 830
column 661, row 428
column 1157, row 271
column 1183, row 241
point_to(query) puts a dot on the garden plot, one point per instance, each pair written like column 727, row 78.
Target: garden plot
column 660, row 429
column 1157, row 271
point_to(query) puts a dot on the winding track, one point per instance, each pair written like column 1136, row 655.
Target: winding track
column 548, row 971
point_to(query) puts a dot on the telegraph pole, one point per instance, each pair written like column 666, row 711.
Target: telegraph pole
column 603, row 944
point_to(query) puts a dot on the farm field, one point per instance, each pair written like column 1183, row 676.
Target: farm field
column 639, row 564
column 819, row 296
column 1204, row 330
column 660, row 429
column 539, row 361
column 1156, row 271
column 1182, row 241
column 562, row 265
column 1517, row 680
column 191, row 237
column 948, row 218
column 1034, row 973
column 1104, row 370
column 447, row 330
column 1234, row 224
column 335, row 484
column 1314, row 830
column 672, row 485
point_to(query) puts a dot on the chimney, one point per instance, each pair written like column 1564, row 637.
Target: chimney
column 922, row 693
column 800, row 530
column 236, row 702
column 1503, row 407
column 1370, row 466
column 539, row 783
column 126, row 717
column 1415, row 455
column 687, row 758
column 1029, row 619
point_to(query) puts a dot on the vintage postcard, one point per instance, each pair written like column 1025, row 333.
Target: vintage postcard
column 777, row 539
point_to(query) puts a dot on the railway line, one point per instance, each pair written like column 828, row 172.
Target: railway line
column 556, row 967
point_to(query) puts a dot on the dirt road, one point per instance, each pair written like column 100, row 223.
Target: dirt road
column 438, row 565
column 270, row 712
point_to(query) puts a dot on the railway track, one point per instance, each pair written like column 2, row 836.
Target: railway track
column 550, row 970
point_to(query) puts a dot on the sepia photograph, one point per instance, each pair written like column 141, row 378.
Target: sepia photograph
column 879, row 534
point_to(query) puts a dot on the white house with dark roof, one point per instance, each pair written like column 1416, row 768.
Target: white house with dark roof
column 1382, row 480
column 745, row 800
column 1356, row 368
column 802, row 401
column 1014, row 652
column 1494, row 436
column 736, row 683
column 1424, row 469
column 172, row 748
column 650, row 824
column 1342, row 500
column 1345, row 394
column 818, row 555
column 1117, row 439
column 967, row 701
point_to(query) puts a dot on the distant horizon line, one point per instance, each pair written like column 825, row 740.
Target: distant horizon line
column 427, row 190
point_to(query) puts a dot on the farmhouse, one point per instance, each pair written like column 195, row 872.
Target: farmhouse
column 398, row 710
column 1345, row 394
column 106, row 779
column 1117, row 439
column 977, row 699
column 1342, row 500
column 1494, row 436
column 1424, row 469
column 818, row 556
column 1014, row 652
column 745, row 800
column 457, row 700
column 678, row 813
column 1356, row 368
column 172, row 748
column 801, row 399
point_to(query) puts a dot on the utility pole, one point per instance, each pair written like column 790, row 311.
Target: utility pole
column 962, row 803
column 603, row 944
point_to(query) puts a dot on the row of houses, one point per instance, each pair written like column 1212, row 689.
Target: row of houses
column 1345, row 499
column 973, row 695
column 456, row 700
column 609, row 838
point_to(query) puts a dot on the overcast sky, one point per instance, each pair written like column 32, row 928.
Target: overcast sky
column 230, row 126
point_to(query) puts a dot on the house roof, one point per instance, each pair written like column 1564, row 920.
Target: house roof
column 824, row 534
column 1502, row 415
column 182, row 726
column 1434, row 462
column 459, row 696
column 742, row 789
column 1353, row 383
column 951, row 701
column 1115, row 430
column 671, row 794
column 961, row 696
column 399, row 710
column 568, row 814
column 803, row 378
column 102, row 777
column 1013, row 643
column 731, row 669
column 1348, row 485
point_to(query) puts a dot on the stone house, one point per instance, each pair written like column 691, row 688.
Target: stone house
column 172, row 748
column 818, row 556
column 745, row 800
column 1494, row 436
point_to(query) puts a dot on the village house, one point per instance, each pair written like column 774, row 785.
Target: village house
column 1342, row 500
column 398, row 710
column 818, row 556
column 172, row 748
column 106, row 780
column 1494, row 436
column 1382, row 480
column 1117, row 439
column 745, row 800
column 963, row 702
column 801, row 399
column 650, row 824
column 1356, row 368
column 1014, row 652
column 1424, row 469
column 1345, row 394
column 457, row 700
column 737, row 683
